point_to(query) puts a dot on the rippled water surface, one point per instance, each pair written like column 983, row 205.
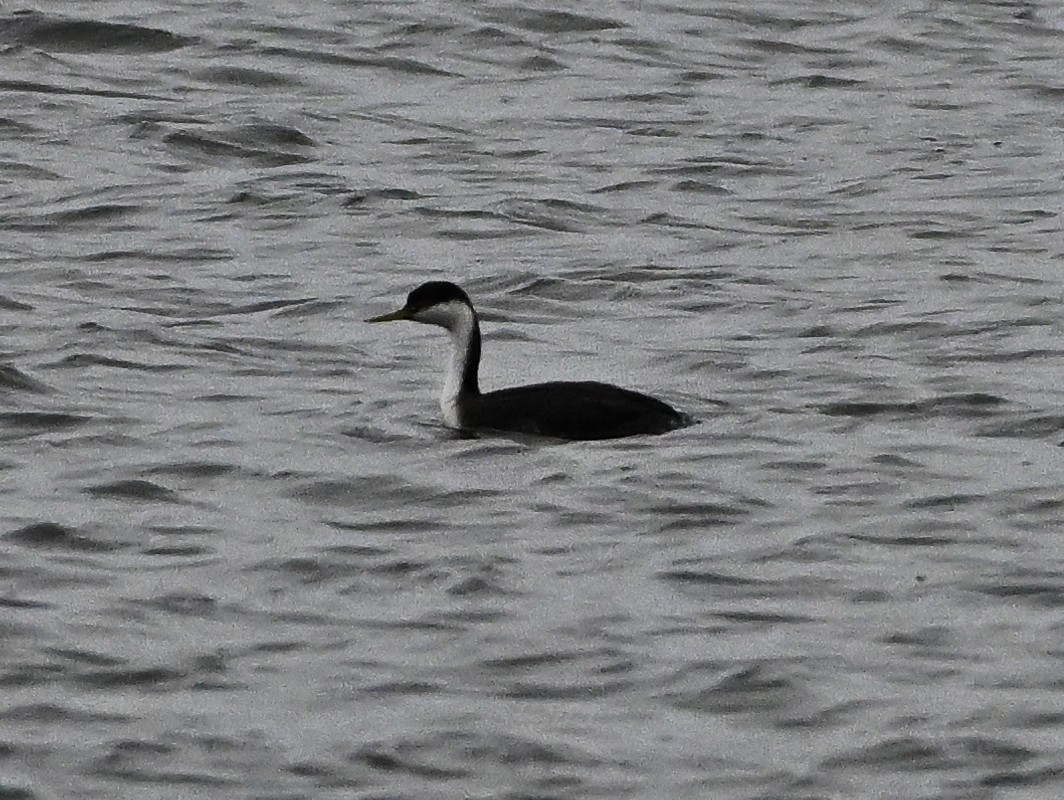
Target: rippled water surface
column 242, row 558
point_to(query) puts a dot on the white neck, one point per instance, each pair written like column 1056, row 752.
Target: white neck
column 452, row 381
column 460, row 322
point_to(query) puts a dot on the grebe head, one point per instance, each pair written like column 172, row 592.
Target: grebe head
column 439, row 303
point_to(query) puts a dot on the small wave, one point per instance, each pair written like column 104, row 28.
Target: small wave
column 547, row 21
column 78, row 360
column 40, row 420
column 135, row 489
column 72, row 35
column 11, row 379
column 52, row 536
column 965, row 406
column 217, row 148
column 406, row 66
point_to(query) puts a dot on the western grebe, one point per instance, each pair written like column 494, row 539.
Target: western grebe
column 564, row 410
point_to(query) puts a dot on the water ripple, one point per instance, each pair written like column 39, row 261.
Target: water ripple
column 242, row 556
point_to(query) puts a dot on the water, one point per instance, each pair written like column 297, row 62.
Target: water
column 242, row 558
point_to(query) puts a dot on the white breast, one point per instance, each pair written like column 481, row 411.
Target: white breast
column 449, row 407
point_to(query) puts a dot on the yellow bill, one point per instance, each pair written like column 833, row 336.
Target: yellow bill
column 402, row 313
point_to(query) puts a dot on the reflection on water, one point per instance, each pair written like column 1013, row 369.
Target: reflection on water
column 243, row 558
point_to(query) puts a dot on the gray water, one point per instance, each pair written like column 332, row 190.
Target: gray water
column 242, row 558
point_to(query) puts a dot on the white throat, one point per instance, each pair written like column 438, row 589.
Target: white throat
column 457, row 318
